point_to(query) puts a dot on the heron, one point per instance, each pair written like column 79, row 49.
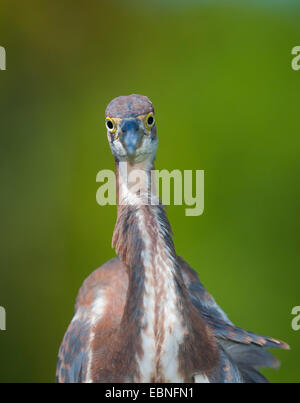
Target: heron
column 144, row 316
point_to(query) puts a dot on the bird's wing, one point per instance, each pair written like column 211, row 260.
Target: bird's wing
column 74, row 353
column 93, row 305
column 241, row 349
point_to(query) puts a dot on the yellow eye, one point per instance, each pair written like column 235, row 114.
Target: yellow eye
column 149, row 121
column 110, row 125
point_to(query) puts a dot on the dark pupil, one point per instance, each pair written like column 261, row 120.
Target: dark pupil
column 110, row 125
column 150, row 120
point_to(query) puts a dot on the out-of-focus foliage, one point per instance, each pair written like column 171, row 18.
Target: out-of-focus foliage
column 227, row 101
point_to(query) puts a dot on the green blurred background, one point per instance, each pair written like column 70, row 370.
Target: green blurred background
column 227, row 101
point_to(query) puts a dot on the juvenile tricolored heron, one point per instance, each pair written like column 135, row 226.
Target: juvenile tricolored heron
column 145, row 316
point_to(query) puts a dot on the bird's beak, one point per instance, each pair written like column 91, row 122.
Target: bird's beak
column 130, row 136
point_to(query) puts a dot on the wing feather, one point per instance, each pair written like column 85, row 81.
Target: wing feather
column 73, row 353
column 95, row 301
column 243, row 349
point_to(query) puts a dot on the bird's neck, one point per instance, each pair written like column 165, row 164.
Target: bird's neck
column 158, row 315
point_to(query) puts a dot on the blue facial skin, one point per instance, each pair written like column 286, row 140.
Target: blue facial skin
column 130, row 135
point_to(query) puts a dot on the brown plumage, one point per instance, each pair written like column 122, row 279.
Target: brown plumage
column 144, row 316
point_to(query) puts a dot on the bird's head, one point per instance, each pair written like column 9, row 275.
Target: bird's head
column 131, row 128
